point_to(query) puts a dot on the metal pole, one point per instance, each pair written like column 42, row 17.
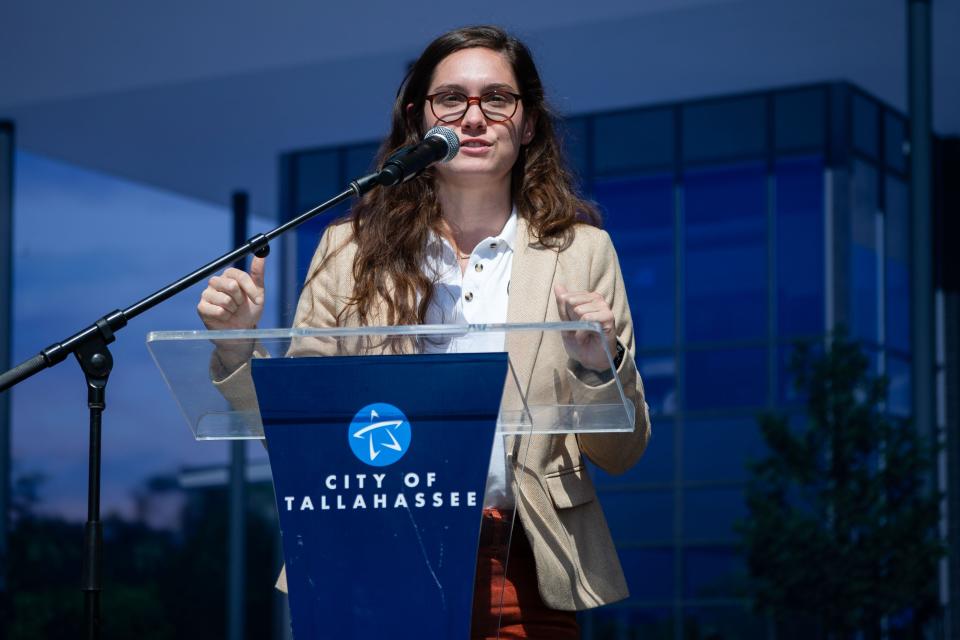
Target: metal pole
column 921, row 186
column 6, row 340
column 922, row 318
column 237, row 521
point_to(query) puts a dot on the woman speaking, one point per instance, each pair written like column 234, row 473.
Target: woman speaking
column 496, row 235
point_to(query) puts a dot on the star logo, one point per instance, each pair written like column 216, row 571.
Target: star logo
column 379, row 434
column 385, row 426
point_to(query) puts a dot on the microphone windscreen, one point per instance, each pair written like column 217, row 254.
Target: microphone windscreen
column 453, row 142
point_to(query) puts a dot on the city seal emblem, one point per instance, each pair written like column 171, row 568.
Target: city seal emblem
column 379, row 434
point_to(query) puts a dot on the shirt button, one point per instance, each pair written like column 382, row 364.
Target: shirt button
column 468, row 296
column 478, row 267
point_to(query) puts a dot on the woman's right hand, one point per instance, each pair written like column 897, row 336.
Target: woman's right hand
column 234, row 300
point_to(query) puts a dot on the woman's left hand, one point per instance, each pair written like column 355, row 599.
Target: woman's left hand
column 586, row 347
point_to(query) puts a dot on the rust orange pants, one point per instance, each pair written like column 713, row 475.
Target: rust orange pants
column 521, row 613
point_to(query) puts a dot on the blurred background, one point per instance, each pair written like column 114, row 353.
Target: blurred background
column 769, row 171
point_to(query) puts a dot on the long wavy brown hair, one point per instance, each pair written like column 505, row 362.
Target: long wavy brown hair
column 391, row 225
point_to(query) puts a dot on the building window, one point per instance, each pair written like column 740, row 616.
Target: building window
column 725, row 218
column 712, row 513
column 799, row 246
column 726, row 378
column 659, row 372
column 719, row 449
column 725, row 129
column 799, row 120
column 864, row 254
column 895, row 142
column 633, row 141
column 897, row 277
column 866, row 125
column 639, row 214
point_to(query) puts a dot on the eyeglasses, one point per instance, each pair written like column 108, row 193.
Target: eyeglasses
column 450, row 106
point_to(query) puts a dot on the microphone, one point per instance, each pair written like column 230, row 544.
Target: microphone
column 440, row 144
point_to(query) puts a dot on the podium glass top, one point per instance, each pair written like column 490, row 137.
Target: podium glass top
column 545, row 392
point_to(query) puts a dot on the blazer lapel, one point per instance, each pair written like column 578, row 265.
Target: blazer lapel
column 531, row 293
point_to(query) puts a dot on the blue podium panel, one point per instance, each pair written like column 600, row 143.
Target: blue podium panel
column 379, row 467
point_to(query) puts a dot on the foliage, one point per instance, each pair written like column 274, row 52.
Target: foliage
column 843, row 522
column 157, row 584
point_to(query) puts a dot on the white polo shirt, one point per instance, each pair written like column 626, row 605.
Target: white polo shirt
column 478, row 295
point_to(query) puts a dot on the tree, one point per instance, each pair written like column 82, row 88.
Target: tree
column 158, row 584
column 842, row 527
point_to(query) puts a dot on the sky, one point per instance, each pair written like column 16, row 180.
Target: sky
column 85, row 244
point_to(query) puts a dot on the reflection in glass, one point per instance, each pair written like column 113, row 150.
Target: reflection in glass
column 316, row 175
column 659, row 382
column 640, row 564
column 61, row 282
column 897, row 278
column 730, row 622
column 358, row 161
column 633, row 141
column 720, row 129
column 573, row 131
column 800, row 246
column 624, row 621
column 710, row 514
column 799, row 119
column 720, row 379
column 720, row 449
column 656, row 466
column 787, row 393
column 713, row 572
column 639, row 516
column 864, row 254
column 640, row 219
column 316, row 178
column 900, row 393
column 866, row 120
column 726, row 253
column 651, row 624
column 895, row 141
column 872, row 352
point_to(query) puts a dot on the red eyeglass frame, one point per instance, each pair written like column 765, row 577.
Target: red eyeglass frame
column 478, row 100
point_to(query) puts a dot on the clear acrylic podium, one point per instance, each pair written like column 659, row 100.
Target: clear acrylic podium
column 380, row 441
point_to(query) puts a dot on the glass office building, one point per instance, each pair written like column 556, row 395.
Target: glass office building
column 743, row 224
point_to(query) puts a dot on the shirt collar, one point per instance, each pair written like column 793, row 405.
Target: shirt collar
column 509, row 232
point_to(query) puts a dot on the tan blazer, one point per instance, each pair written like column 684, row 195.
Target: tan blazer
column 577, row 565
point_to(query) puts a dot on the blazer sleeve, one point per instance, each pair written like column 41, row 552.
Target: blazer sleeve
column 320, row 301
column 317, row 307
column 613, row 452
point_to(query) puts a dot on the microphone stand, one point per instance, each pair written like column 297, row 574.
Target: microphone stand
column 89, row 346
